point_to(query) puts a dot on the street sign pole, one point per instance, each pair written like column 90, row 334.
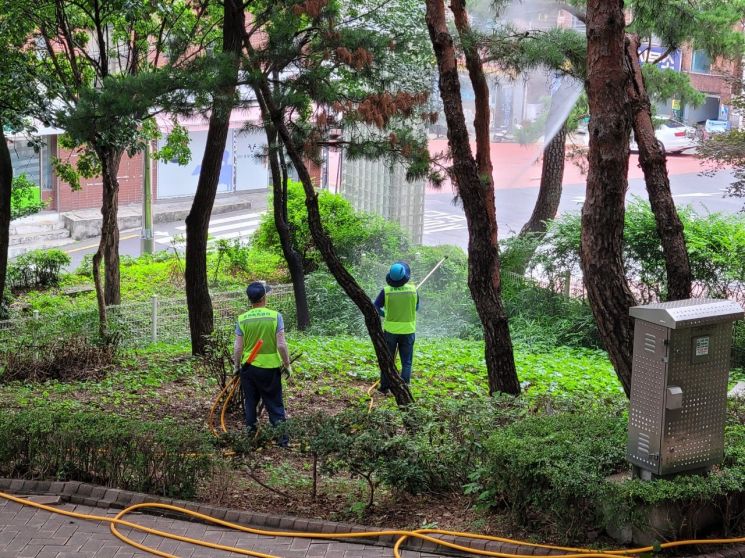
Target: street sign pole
column 146, row 239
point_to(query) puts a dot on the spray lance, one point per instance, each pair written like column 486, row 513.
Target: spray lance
column 419, row 286
column 442, row 261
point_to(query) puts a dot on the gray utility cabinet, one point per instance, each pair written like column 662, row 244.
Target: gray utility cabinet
column 679, row 385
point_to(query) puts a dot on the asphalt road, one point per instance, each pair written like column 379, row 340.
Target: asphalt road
column 514, row 205
column 444, row 220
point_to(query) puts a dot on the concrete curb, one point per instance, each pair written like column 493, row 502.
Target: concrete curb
column 84, row 224
column 99, row 496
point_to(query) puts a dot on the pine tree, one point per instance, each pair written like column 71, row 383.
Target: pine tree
column 20, row 100
column 327, row 64
column 104, row 67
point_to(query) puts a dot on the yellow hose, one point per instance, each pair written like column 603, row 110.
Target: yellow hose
column 211, row 417
column 235, row 383
column 422, row 534
column 370, row 395
column 117, row 520
column 230, row 388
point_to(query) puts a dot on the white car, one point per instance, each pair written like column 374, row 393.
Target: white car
column 674, row 136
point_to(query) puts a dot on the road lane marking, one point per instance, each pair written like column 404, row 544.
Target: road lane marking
column 127, row 237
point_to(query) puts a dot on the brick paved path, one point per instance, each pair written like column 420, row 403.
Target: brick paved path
column 30, row 533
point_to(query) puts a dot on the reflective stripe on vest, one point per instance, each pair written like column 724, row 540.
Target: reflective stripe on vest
column 260, row 323
column 400, row 309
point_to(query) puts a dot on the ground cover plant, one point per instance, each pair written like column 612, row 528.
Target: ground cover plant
column 534, row 466
column 474, row 462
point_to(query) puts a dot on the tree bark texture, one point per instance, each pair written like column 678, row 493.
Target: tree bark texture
column 6, row 184
column 197, row 222
column 474, row 182
column 109, row 245
column 549, row 192
column 108, row 291
column 653, row 162
column 601, row 253
column 279, row 206
column 323, row 242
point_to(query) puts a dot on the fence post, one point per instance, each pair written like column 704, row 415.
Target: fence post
column 36, row 319
column 568, row 284
column 154, row 320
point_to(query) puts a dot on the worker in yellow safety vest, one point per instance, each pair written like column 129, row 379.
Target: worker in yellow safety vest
column 261, row 380
column 398, row 303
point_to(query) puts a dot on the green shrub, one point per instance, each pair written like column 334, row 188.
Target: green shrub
column 352, row 233
column 247, row 263
column 541, row 317
column 435, row 454
column 551, row 471
column 716, row 249
column 25, row 197
column 38, row 268
column 155, row 457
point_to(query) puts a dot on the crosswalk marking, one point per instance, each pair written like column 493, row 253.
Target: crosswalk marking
column 221, row 220
column 439, row 221
column 242, row 223
column 227, row 228
column 429, row 230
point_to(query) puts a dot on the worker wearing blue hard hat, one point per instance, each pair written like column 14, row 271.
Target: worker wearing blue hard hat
column 398, row 303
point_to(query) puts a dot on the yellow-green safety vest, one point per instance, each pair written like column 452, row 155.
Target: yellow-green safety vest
column 400, row 309
column 260, row 323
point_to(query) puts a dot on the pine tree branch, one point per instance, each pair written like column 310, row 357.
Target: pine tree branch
column 664, row 55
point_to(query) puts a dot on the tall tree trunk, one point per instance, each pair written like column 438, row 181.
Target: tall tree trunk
column 279, row 206
column 323, row 242
column 198, row 298
column 601, row 253
column 109, row 245
column 653, row 162
column 546, row 205
column 474, row 181
column 6, row 184
column 549, row 193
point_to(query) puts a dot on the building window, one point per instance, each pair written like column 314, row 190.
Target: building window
column 47, row 151
column 701, row 63
column 25, row 160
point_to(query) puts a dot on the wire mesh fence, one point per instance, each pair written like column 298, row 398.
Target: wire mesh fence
column 140, row 323
column 166, row 320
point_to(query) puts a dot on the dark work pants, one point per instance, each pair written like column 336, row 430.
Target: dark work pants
column 405, row 344
column 262, row 384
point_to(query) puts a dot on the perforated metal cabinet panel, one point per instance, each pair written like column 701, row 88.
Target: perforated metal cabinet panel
column 649, row 378
column 679, row 384
column 693, row 436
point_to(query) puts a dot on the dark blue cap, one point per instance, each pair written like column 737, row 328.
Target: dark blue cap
column 257, row 290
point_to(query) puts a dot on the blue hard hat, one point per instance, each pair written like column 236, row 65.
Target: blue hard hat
column 398, row 275
column 397, row 272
